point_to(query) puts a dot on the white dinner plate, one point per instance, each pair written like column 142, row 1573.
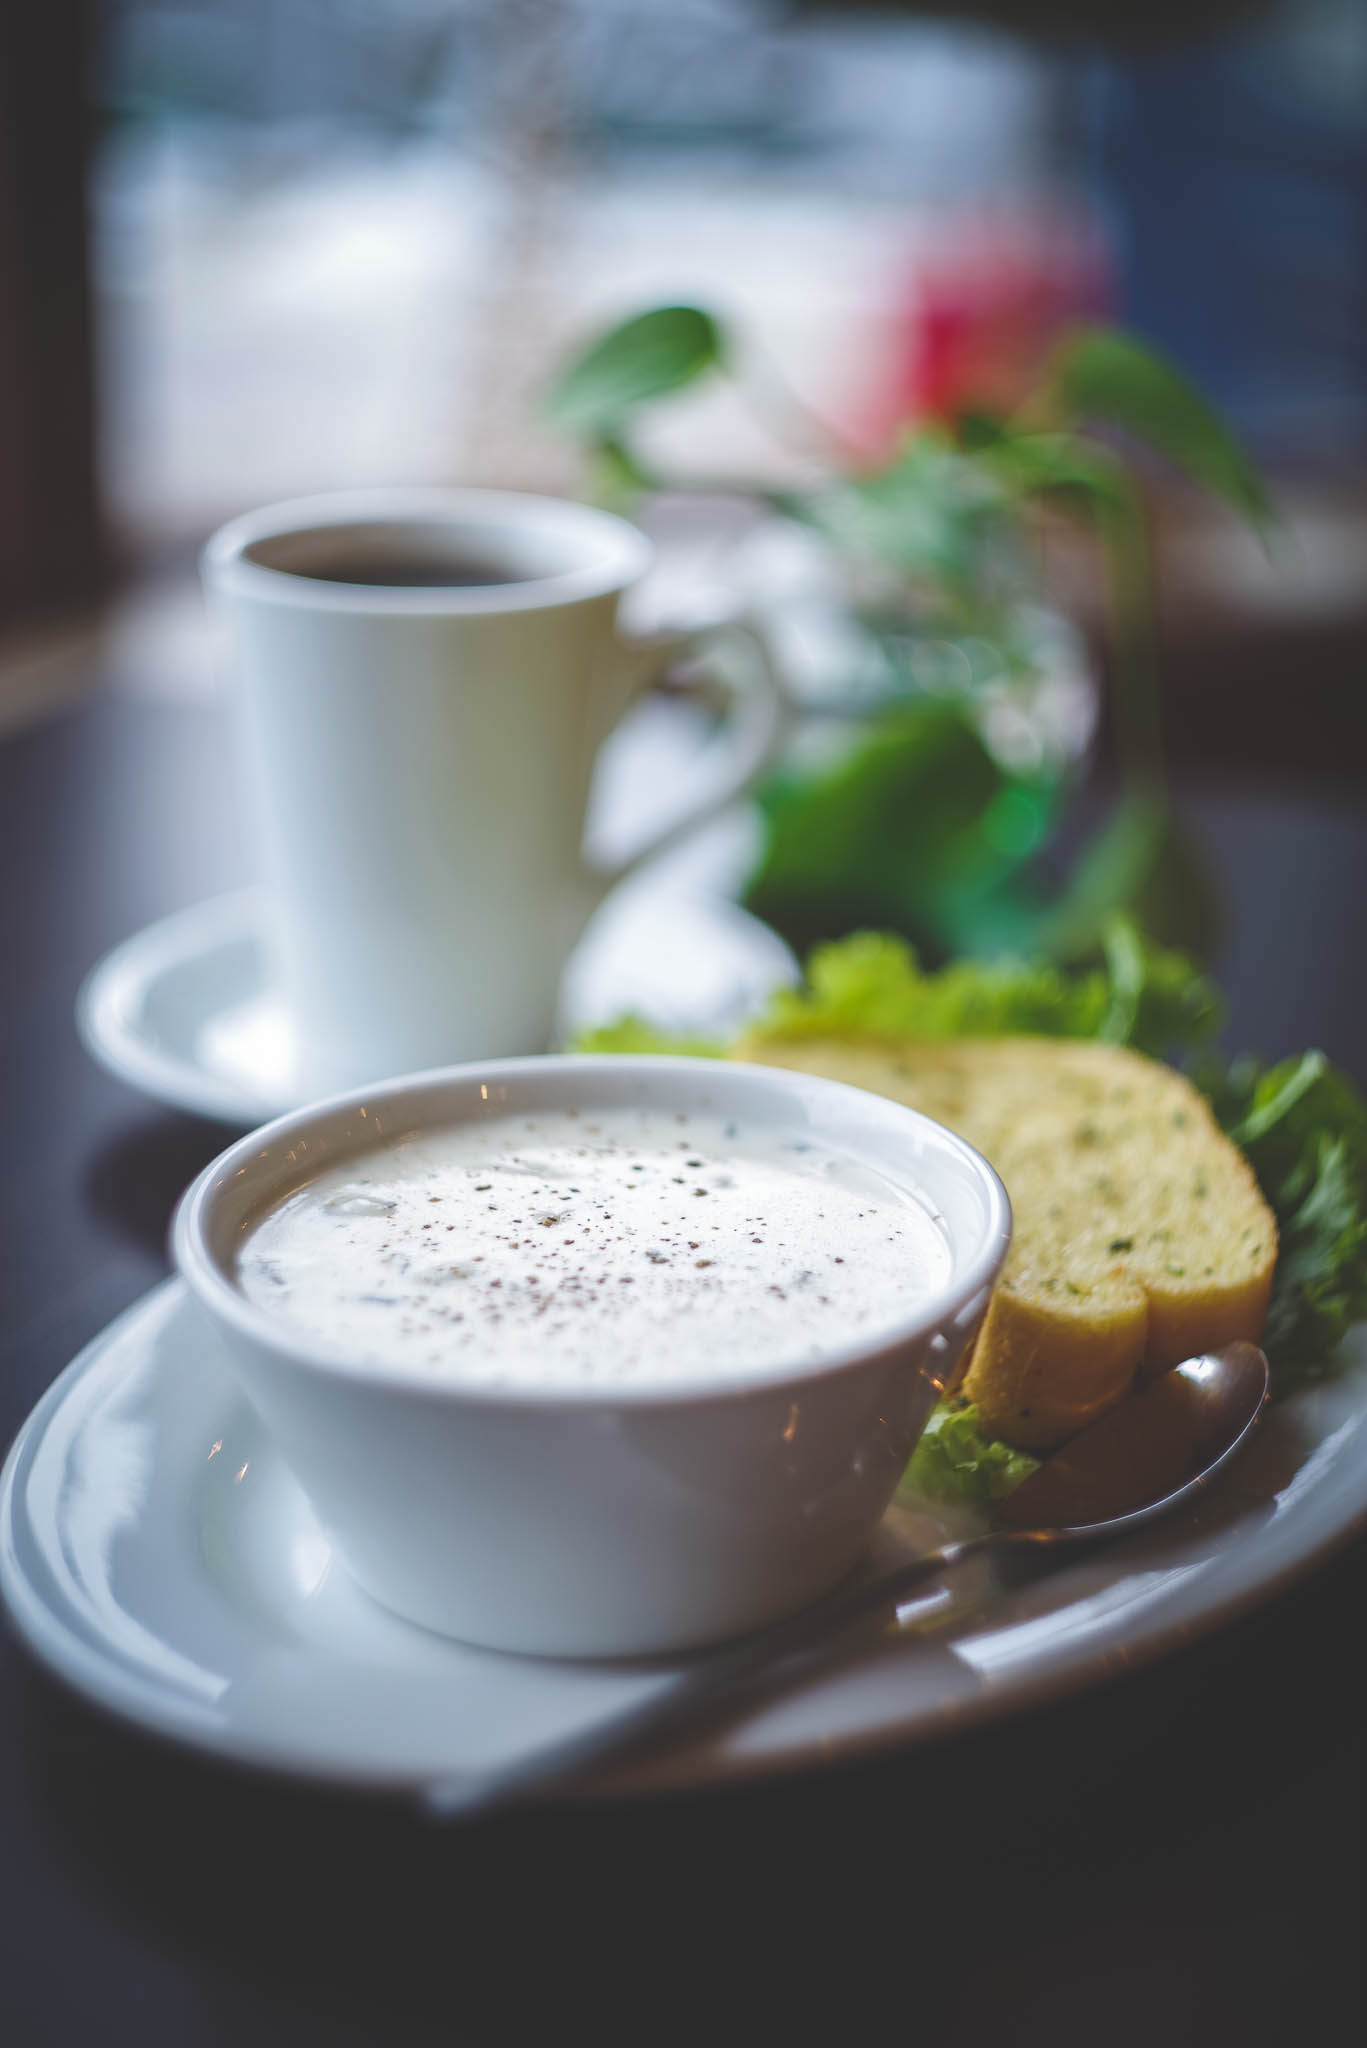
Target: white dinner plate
column 185, row 1010
column 156, row 1552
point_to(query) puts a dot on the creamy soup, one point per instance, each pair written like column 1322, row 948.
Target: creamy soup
column 595, row 1248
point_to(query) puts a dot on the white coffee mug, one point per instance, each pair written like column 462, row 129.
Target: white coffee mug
column 418, row 756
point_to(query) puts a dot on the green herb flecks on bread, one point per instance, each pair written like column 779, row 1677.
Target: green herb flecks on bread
column 1140, row 1234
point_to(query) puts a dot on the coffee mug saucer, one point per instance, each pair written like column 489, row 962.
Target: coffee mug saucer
column 185, row 1010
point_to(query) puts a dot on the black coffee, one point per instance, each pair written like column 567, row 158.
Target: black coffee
column 407, row 571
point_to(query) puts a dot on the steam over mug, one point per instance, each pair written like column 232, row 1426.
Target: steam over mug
column 423, row 680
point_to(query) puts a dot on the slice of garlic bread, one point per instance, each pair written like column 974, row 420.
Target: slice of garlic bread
column 1141, row 1236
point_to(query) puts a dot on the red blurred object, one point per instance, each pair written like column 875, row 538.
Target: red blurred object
column 979, row 313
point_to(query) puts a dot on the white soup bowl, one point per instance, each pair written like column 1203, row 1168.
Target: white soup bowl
column 575, row 1521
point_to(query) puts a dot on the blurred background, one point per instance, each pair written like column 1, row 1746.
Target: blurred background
column 250, row 248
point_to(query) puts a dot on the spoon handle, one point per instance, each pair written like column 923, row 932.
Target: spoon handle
column 1203, row 1410
column 721, row 1678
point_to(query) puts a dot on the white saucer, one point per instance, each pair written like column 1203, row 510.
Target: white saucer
column 184, row 1010
column 155, row 1551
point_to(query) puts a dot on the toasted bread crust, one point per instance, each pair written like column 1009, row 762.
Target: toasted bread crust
column 1141, row 1236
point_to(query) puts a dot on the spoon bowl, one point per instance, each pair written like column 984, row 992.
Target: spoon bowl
column 1146, row 1456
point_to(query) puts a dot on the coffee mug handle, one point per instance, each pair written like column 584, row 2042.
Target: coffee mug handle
column 747, row 745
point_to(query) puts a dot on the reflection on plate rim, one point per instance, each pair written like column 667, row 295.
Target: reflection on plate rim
column 1171, row 1623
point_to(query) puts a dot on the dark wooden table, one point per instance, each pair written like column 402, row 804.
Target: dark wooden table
column 1175, row 1858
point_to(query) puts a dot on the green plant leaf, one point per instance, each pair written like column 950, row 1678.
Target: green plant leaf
column 932, row 513
column 1099, row 374
column 644, row 358
column 897, row 832
column 618, row 477
column 1060, row 466
column 1145, row 862
column 954, row 1461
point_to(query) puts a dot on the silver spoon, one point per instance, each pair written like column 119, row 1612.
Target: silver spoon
column 1155, row 1449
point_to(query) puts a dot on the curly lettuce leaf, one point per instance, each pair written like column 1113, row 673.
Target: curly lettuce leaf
column 955, row 1462
column 635, row 1034
column 871, row 986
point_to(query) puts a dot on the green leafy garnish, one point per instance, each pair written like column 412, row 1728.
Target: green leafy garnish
column 870, row 986
column 954, row 1461
column 1302, row 1125
column 1157, row 1000
column 636, row 1034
